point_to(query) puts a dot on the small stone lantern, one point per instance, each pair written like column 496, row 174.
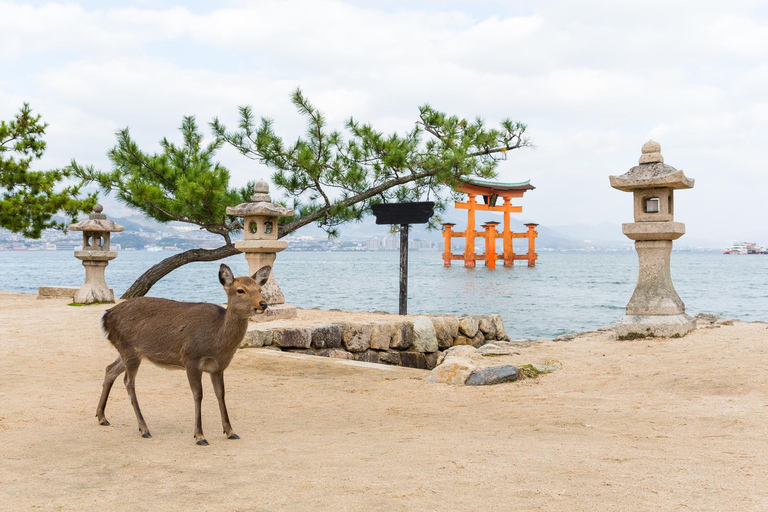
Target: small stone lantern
column 95, row 256
column 655, row 309
column 260, row 245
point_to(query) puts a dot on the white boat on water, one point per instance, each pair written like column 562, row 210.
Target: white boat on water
column 745, row 248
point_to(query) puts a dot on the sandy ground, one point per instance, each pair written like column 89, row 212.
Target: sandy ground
column 640, row 425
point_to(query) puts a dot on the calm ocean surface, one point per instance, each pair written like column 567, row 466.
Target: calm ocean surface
column 565, row 292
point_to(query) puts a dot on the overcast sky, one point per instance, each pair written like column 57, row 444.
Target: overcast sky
column 593, row 80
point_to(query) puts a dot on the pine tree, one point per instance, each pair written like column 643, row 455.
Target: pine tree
column 181, row 183
column 329, row 180
column 30, row 198
column 332, row 181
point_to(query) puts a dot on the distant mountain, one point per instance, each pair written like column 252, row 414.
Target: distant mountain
column 548, row 237
column 591, row 233
column 606, row 235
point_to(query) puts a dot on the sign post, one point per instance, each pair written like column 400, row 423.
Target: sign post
column 403, row 214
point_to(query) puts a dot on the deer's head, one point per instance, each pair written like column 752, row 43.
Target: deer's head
column 244, row 293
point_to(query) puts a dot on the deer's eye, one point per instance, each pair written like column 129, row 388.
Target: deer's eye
column 240, row 291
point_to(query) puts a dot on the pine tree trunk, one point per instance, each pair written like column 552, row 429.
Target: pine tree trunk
column 147, row 280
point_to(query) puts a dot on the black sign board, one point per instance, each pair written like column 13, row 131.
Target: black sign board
column 403, row 214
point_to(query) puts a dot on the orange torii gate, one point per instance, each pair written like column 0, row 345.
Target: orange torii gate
column 490, row 192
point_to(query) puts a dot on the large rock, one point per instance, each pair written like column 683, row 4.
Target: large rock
column 326, row 336
column 431, row 359
column 462, row 340
column 443, row 332
column 492, row 375
column 498, row 324
column 424, row 336
column 487, row 327
column 292, row 338
column 369, row 356
column 381, row 335
column 491, row 349
column 464, row 351
column 357, row 336
column 335, row 353
column 454, row 370
column 413, row 360
column 468, row 326
column 453, row 325
column 547, row 366
column 258, row 338
column 479, row 340
column 390, row 357
column 403, row 336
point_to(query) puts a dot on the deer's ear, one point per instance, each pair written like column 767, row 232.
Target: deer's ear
column 226, row 277
column 262, row 275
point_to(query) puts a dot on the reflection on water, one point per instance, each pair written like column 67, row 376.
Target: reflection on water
column 565, row 292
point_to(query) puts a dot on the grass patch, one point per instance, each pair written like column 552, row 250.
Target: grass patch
column 635, row 336
column 79, row 304
column 527, row 371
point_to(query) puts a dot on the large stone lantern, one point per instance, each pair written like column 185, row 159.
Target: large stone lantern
column 95, row 255
column 260, row 245
column 655, row 309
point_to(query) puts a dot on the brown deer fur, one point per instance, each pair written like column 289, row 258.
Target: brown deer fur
column 198, row 337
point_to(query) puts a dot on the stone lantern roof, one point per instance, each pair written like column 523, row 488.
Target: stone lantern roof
column 96, row 221
column 261, row 204
column 651, row 173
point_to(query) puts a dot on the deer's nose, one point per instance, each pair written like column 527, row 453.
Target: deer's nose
column 263, row 305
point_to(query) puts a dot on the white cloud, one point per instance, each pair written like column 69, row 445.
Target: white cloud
column 593, row 79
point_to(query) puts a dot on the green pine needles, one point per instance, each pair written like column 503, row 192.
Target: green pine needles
column 181, row 183
column 331, row 180
column 328, row 178
column 30, row 198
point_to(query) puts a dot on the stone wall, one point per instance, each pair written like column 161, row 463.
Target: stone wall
column 416, row 342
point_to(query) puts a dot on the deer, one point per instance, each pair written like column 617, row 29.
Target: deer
column 197, row 337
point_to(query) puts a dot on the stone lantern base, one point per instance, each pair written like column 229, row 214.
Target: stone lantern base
column 94, row 288
column 271, row 291
column 631, row 327
column 276, row 312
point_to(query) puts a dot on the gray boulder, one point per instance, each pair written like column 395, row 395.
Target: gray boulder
column 492, row 375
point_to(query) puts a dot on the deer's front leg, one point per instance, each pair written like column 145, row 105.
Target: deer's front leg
column 217, row 379
column 195, row 375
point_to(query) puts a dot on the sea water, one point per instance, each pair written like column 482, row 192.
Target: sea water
column 564, row 293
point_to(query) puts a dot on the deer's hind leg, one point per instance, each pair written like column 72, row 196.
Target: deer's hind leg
column 113, row 372
column 131, row 367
